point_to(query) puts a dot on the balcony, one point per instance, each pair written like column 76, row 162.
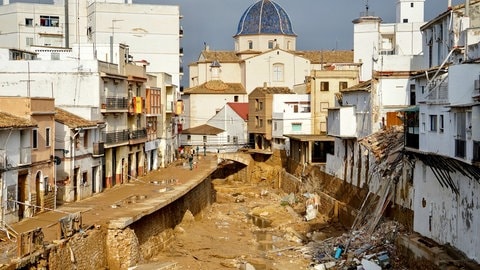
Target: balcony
column 98, row 149
column 115, row 104
column 138, row 136
column 136, row 105
column 113, row 137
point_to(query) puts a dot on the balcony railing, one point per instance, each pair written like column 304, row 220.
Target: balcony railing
column 115, row 136
column 115, row 103
column 460, row 146
column 138, row 134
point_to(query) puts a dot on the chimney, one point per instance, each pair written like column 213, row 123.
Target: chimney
column 449, row 5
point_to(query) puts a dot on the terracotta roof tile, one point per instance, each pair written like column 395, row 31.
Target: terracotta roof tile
column 318, row 57
column 274, row 90
column 71, row 120
column 12, row 121
column 203, row 130
column 220, row 56
column 241, row 108
column 216, row 87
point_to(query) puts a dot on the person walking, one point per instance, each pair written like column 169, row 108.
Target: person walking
column 190, row 161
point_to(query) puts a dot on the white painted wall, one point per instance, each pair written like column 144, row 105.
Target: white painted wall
column 454, row 218
column 259, row 70
column 198, row 113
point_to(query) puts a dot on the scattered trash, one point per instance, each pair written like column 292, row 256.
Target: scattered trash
column 288, row 200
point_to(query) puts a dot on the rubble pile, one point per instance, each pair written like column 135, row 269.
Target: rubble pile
column 356, row 250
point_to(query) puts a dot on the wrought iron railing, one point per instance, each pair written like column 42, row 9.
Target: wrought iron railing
column 115, row 103
column 115, row 136
column 138, row 134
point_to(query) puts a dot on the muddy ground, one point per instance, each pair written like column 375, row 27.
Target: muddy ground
column 247, row 226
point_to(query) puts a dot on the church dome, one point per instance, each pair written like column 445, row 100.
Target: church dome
column 265, row 17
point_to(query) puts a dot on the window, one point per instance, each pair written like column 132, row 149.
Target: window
column 47, row 137
column 235, row 98
column 324, row 86
column 296, row 127
column 85, row 138
column 28, row 22
column 405, row 20
column 189, row 138
column 433, row 123
column 29, row 41
column 270, row 44
column 441, row 124
column 204, row 139
column 228, row 138
column 235, row 139
column 277, row 72
column 49, row 21
column 422, row 121
column 411, row 4
column 342, row 85
column 275, row 126
column 257, row 121
column 269, row 122
column 250, row 44
column 35, row 138
column 295, row 108
column 413, row 98
column 260, row 123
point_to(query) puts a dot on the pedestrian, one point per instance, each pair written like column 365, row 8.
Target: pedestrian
column 190, row 161
column 197, row 152
column 204, row 149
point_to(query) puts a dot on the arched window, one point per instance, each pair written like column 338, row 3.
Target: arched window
column 277, row 72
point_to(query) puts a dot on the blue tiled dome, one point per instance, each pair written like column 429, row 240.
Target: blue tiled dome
column 265, row 17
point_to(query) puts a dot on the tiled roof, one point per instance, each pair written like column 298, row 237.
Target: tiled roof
column 71, row 120
column 240, row 108
column 11, row 121
column 216, row 87
column 220, row 56
column 322, row 57
column 265, row 17
column 203, row 130
column 363, row 86
column 274, row 90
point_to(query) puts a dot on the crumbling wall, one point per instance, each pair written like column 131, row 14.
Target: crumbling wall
column 123, row 249
column 85, row 250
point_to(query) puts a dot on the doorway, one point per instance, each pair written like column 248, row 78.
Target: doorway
column 22, row 193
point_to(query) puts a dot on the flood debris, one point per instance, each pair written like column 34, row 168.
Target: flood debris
column 312, row 203
column 368, row 251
